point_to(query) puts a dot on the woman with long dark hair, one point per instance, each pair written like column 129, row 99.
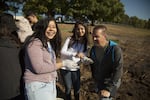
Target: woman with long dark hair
column 75, row 49
column 41, row 50
column 10, row 68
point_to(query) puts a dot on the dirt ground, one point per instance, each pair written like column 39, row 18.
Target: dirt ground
column 136, row 77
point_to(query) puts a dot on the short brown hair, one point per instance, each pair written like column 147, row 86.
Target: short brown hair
column 102, row 27
column 30, row 13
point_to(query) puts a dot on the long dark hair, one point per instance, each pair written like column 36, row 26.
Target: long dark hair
column 8, row 27
column 7, row 24
column 39, row 33
column 75, row 38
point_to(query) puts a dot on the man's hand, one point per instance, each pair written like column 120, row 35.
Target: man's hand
column 104, row 93
column 86, row 61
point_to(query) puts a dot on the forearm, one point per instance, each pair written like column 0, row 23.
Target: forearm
column 65, row 51
column 59, row 64
column 118, row 65
column 116, row 76
column 117, row 73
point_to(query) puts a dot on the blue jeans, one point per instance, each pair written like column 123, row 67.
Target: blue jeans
column 105, row 98
column 71, row 78
column 41, row 91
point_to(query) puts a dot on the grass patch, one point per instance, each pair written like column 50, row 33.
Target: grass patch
column 127, row 30
column 115, row 40
column 113, row 29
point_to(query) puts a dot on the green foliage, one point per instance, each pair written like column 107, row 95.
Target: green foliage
column 38, row 6
column 4, row 6
column 105, row 10
column 94, row 10
column 10, row 5
column 148, row 24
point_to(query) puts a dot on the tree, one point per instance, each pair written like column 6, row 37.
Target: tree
column 10, row 5
column 134, row 21
column 48, row 7
column 148, row 24
column 125, row 19
column 3, row 6
column 103, row 10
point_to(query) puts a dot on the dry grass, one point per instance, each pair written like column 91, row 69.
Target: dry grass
column 112, row 29
column 126, row 30
column 135, row 46
column 65, row 30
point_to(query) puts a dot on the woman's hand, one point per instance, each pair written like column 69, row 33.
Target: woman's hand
column 80, row 55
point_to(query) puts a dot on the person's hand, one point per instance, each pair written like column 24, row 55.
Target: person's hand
column 80, row 55
column 69, row 64
column 104, row 93
column 86, row 61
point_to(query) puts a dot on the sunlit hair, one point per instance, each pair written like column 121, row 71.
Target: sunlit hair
column 40, row 29
column 75, row 38
column 101, row 27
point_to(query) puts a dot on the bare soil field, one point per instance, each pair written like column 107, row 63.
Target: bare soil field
column 136, row 77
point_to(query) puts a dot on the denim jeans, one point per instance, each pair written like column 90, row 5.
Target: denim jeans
column 41, row 90
column 105, row 98
column 71, row 78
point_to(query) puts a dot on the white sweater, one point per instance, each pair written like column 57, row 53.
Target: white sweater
column 25, row 29
column 70, row 53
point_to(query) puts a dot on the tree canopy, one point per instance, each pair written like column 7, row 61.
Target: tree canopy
column 94, row 10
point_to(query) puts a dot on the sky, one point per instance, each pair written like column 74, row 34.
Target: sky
column 139, row 8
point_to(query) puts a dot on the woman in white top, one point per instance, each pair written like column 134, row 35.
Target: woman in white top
column 74, row 48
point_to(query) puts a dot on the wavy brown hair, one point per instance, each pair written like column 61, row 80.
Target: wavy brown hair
column 75, row 38
column 39, row 33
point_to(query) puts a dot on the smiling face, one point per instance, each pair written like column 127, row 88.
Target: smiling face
column 51, row 30
column 81, row 30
